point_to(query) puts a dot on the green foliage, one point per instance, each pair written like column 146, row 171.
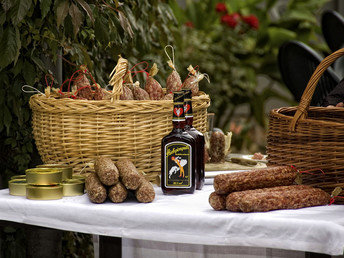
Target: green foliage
column 34, row 34
column 236, row 58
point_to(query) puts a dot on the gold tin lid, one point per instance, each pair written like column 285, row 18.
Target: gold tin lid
column 17, row 187
column 67, row 171
column 79, row 177
column 18, row 177
column 73, row 187
column 44, row 176
column 44, row 192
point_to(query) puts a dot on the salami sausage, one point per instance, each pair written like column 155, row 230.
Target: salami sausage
column 233, row 199
column 95, row 190
column 217, row 201
column 118, row 193
column 128, row 174
column 283, row 199
column 145, row 193
column 253, row 179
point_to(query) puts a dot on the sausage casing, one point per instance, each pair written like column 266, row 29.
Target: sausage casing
column 254, row 179
column 217, row 201
column 283, row 199
column 233, row 199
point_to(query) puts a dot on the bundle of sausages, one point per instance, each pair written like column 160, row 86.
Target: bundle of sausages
column 116, row 180
column 264, row 189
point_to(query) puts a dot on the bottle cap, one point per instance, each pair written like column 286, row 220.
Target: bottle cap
column 187, row 94
column 178, row 97
column 178, row 106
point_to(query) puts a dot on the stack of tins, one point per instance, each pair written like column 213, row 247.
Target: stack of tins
column 47, row 182
column 76, row 131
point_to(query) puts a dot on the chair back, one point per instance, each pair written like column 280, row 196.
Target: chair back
column 297, row 62
column 332, row 26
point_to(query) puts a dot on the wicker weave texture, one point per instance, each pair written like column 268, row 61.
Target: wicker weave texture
column 310, row 137
column 76, row 131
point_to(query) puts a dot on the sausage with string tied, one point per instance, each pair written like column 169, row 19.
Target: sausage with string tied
column 254, row 179
column 283, row 199
column 233, row 200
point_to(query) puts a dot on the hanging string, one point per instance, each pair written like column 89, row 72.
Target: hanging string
column 46, row 80
column 206, row 76
column 308, row 171
column 78, row 76
column 140, row 71
column 333, row 199
column 34, row 90
column 172, row 49
column 193, row 72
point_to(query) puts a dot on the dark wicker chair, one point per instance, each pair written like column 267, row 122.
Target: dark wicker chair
column 297, row 63
column 332, row 26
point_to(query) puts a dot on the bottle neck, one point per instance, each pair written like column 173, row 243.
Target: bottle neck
column 189, row 121
column 178, row 125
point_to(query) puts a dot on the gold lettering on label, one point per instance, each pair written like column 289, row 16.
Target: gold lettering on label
column 175, row 151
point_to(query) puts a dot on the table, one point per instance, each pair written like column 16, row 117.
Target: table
column 185, row 219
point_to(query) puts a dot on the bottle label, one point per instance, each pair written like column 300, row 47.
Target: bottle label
column 178, row 165
column 188, row 108
column 178, row 112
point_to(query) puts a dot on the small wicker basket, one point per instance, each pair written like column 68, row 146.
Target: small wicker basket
column 74, row 132
column 310, row 137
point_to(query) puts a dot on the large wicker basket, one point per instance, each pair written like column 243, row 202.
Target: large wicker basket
column 310, row 137
column 76, row 131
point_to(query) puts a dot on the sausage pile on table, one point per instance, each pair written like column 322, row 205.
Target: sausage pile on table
column 264, row 189
column 116, row 180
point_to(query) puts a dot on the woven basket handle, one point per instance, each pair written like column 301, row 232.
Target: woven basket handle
column 307, row 95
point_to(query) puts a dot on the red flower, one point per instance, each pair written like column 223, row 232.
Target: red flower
column 251, row 20
column 231, row 20
column 221, row 8
column 189, row 24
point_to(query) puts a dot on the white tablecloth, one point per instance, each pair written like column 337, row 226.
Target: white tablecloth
column 185, row 219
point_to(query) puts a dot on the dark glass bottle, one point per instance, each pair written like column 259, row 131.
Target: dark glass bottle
column 199, row 138
column 177, row 151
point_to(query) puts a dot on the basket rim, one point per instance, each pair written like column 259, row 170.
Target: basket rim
column 279, row 112
column 42, row 103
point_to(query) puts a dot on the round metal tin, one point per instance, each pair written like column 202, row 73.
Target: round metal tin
column 44, row 176
column 44, row 192
column 79, row 177
column 17, row 187
column 67, row 171
column 73, row 187
column 18, row 177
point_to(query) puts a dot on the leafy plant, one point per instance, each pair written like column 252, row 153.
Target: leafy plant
column 35, row 35
column 236, row 42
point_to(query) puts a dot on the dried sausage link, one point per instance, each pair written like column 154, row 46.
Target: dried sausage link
column 253, row 179
column 293, row 199
column 217, row 201
column 233, row 199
